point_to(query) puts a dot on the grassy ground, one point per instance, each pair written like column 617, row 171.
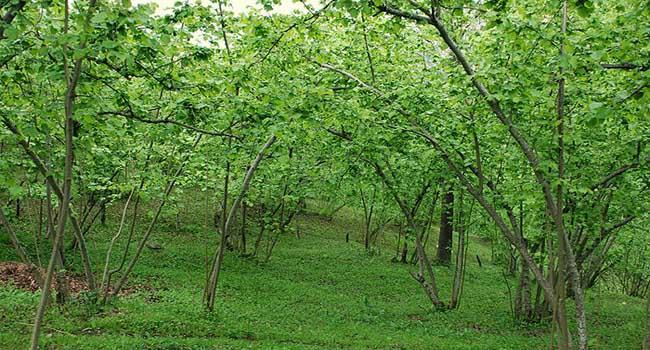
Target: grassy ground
column 316, row 292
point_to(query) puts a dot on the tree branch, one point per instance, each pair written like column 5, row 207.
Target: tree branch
column 618, row 172
column 625, row 66
column 10, row 15
column 130, row 115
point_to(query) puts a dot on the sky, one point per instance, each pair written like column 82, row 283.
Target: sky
column 237, row 6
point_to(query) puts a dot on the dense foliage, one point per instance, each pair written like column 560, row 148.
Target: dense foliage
column 529, row 122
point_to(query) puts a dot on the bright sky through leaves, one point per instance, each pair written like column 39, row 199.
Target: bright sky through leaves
column 237, row 6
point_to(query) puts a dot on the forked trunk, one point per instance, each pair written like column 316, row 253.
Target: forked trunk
column 211, row 286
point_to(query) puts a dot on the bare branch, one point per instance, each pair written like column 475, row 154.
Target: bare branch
column 625, row 66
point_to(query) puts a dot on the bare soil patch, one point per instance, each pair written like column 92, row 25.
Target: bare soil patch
column 26, row 277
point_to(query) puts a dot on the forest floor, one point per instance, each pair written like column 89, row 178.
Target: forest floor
column 316, row 292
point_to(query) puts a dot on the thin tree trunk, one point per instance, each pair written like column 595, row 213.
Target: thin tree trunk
column 58, row 235
column 134, row 219
column 368, row 208
column 404, row 252
column 243, row 229
column 102, row 218
column 50, row 212
column 104, row 285
column 281, row 230
column 460, row 259
column 258, row 241
column 38, row 234
column 523, row 299
column 62, row 293
column 430, row 287
column 224, row 200
column 72, row 78
column 20, row 250
column 399, row 241
column 63, row 208
column 571, row 266
column 61, row 290
column 445, row 238
column 523, row 302
column 211, row 287
column 154, row 220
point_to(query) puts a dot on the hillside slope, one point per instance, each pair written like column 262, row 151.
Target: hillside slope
column 316, row 292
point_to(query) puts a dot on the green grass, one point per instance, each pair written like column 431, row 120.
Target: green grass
column 316, row 292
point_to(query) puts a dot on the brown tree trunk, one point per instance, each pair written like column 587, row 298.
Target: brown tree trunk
column 102, row 218
column 405, row 251
column 368, row 208
column 445, row 238
column 258, row 241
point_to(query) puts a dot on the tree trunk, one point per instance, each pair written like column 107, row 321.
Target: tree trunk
column 430, row 286
column 102, row 218
column 71, row 83
column 104, row 283
column 399, row 241
column 445, row 238
column 404, row 253
column 211, row 287
column 368, row 208
column 242, row 246
column 134, row 219
column 224, row 200
column 258, row 241
column 523, row 307
column 459, row 271
column 62, row 293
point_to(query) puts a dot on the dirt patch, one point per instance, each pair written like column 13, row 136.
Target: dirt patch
column 26, row 277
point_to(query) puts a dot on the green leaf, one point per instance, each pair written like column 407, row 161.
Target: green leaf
column 584, row 7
